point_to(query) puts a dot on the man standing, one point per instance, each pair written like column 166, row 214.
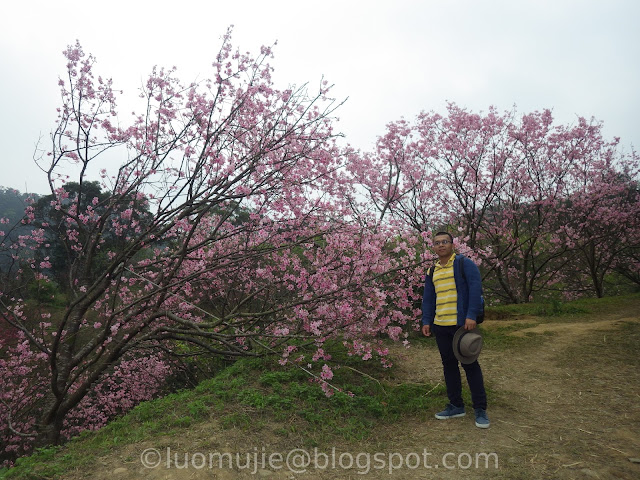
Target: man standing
column 452, row 300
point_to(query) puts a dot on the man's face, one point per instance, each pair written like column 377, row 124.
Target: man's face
column 443, row 246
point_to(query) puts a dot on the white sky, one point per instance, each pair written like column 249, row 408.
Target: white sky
column 392, row 58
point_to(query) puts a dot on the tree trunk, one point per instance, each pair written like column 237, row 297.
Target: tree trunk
column 49, row 430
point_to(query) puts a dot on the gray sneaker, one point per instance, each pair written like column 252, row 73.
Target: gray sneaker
column 482, row 421
column 450, row 412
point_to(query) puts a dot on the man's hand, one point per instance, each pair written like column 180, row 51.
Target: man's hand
column 426, row 330
column 469, row 324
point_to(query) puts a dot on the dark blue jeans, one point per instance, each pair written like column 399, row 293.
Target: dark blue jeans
column 444, row 339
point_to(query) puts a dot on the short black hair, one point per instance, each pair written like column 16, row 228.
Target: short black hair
column 444, row 233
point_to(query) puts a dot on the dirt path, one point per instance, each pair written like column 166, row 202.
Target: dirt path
column 560, row 411
column 565, row 407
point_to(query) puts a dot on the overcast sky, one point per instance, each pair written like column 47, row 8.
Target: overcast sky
column 391, row 58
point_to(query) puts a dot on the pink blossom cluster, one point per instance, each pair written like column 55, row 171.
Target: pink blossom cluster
column 532, row 201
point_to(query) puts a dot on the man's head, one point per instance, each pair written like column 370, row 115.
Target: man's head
column 443, row 244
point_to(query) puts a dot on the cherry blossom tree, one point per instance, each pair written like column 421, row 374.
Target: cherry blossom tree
column 509, row 186
column 249, row 244
column 601, row 219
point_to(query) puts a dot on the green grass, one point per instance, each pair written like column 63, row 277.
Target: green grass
column 280, row 395
column 499, row 337
column 552, row 308
column 247, row 396
column 565, row 309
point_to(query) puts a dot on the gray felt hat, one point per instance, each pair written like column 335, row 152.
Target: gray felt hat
column 467, row 345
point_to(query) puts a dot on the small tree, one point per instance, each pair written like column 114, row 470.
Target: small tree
column 601, row 223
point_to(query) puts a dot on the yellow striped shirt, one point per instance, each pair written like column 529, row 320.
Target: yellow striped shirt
column 446, row 294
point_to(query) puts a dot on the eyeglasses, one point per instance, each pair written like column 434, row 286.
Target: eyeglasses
column 441, row 242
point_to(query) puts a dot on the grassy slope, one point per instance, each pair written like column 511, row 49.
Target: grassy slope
column 256, row 394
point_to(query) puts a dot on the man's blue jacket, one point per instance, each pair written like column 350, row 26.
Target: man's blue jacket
column 469, row 289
